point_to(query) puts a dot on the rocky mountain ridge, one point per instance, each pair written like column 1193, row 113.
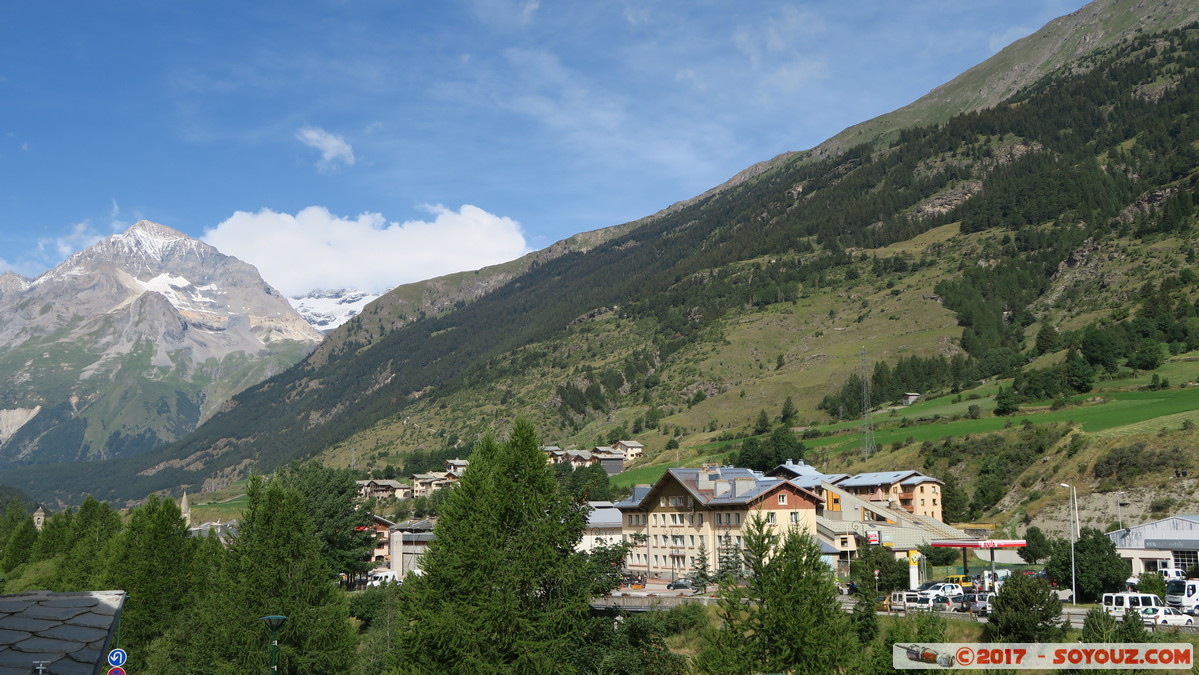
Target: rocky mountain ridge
column 140, row 336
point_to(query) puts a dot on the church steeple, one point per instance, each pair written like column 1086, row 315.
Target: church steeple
column 186, row 508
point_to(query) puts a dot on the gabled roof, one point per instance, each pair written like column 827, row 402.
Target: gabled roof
column 631, row 444
column 873, row 478
column 382, row 521
column 386, row 482
column 434, row 475
column 749, row 486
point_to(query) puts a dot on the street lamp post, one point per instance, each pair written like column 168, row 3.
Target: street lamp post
column 1119, row 511
column 274, row 622
column 1073, row 536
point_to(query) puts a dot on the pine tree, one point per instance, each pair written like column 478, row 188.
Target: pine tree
column 93, row 530
column 701, row 572
column 762, row 423
column 152, row 562
column 330, row 499
column 786, row 617
column 19, row 545
column 1005, row 401
column 273, row 566
column 507, row 528
column 789, row 412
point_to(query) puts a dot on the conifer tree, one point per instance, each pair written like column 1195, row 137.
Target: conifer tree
column 503, row 589
column 273, row 566
column 19, row 545
column 152, row 562
column 93, row 529
column 330, row 499
column 786, row 617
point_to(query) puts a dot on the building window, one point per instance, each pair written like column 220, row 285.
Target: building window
column 662, row 501
column 1184, row 560
column 795, row 517
column 677, row 500
column 934, row 502
column 736, row 518
column 770, row 518
column 692, row 540
column 782, row 499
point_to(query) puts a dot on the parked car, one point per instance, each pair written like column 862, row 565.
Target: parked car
column 965, row 604
column 934, row 603
column 942, row 588
column 982, row 603
column 964, row 580
column 1166, row 616
column 679, row 584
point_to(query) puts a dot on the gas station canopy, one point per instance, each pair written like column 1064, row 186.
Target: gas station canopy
column 979, row 543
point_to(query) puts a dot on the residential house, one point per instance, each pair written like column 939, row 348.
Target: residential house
column 425, row 484
column 380, row 527
column 457, row 467
column 611, row 460
column 911, row 490
column 689, row 512
column 632, row 449
column 384, row 488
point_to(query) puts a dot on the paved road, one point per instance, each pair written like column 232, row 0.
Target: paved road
column 654, row 598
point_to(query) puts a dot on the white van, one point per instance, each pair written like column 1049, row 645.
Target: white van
column 1169, row 574
column 902, row 600
column 1116, row 604
column 381, row 576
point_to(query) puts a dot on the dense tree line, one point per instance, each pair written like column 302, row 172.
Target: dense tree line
column 889, row 383
column 193, row 604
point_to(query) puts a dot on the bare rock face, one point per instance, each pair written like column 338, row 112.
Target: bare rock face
column 132, row 342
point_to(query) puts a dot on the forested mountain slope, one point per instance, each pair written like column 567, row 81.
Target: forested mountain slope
column 952, row 244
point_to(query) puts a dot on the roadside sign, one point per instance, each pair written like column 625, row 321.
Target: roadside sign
column 116, row 670
column 117, row 658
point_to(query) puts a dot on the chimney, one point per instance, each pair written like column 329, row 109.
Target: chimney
column 720, row 487
column 742, row 486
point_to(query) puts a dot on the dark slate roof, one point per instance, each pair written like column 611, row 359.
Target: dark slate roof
column 70, row 632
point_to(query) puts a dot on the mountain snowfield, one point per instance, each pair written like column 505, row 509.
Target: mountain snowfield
column 328, row 309
column 132, row 342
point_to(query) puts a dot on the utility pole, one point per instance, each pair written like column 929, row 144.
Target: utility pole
column 867, row 423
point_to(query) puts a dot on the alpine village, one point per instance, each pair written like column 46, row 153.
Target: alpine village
column 935, row 380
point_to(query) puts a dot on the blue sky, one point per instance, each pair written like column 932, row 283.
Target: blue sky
column 374, row 142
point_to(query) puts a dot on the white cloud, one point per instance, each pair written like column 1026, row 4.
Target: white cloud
column 80, row 237
column 334, row 149
column 316, row 249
